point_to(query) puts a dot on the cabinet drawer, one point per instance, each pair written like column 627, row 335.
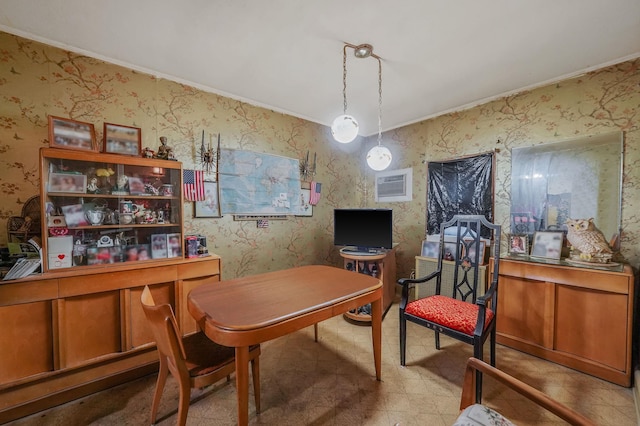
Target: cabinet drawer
column 199, row 269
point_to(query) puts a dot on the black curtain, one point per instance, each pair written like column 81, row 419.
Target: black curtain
column 463, row 186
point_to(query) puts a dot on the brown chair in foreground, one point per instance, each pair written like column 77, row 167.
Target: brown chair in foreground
column 194, row 360
column 470, row 399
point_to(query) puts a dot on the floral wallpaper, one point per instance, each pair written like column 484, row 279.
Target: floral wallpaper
column 37, row 80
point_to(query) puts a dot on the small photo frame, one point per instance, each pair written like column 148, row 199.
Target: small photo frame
column 136, row 186
column 159, row 246
column 547, row 244
column 67, row 182
column 471, row 252
column 74, row 215
column 174, row 245
column 519, row 244
column 71, row 134
column 119, row 139
column 451, row 251
column 306, row 209
column 430, row 249
column 210, row 206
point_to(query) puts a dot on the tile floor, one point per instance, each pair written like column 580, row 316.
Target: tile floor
column 332, row 382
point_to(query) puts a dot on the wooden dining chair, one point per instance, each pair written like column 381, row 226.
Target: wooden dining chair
column 471, row 408
column 194, row 360
column 458, row 311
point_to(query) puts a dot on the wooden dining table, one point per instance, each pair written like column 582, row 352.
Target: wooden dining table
column 254, row 309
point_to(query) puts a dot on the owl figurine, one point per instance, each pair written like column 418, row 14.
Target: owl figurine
column 584, row 236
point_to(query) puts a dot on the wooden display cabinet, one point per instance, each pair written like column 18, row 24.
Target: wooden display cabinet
column 381, row 266
column 100, row 209
column 78, row 327
column 578, row 317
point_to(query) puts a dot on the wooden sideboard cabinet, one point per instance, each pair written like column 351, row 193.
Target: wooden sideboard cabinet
column 69, row 333
column 578, row 317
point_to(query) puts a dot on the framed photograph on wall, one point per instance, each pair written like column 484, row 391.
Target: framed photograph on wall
column 547, row 244
column 67, row 182
column 519, row 244
column 71, row 134
column 210, row 206
column 119, row 139
column 306, row 209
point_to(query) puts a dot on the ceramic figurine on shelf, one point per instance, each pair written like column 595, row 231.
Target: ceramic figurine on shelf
column 122, row 186
column 92, row 187
column 165, row 152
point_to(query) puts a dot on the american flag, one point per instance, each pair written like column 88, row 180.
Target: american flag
column 193, row 183
column 314, row 197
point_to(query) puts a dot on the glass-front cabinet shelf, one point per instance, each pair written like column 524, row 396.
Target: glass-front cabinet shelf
column 101, row 209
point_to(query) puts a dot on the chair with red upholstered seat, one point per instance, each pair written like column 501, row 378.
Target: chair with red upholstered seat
column 458, row 313
column 194, row 360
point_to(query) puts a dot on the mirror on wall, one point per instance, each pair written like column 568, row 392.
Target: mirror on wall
column 577, row 178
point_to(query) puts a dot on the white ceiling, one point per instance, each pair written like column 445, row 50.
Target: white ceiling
column 286, row 55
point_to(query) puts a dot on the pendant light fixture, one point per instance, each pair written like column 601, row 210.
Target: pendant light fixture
column 379, row 157
column 345, row 128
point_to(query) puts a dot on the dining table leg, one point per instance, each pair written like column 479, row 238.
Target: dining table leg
column 242, row 384
column 376, row 335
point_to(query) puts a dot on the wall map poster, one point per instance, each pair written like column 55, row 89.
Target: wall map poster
column 252, row 183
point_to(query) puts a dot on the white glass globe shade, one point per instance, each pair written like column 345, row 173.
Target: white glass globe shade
column 379, row 158
column 344, row 128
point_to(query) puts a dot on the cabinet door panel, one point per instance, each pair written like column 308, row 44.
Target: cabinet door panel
column 592, row 325
column 27, row 330
column 185, row 321
column 89, row 327
column 140, row 330
column 522, row 302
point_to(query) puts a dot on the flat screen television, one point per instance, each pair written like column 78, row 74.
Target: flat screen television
column 363, row 230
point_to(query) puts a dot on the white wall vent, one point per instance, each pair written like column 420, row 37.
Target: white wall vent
column 394, row 185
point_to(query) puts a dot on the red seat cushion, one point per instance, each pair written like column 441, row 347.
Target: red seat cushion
column 449, row 312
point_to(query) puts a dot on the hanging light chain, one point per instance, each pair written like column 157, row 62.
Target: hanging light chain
column 344, row 77
column 379, row 101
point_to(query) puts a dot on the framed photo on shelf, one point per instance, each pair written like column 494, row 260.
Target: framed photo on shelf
column 471, row 253
column 174, row 245
column 210, row 206
column 430, row 249
column 71, row 134
column 518, row 244
column 306, row 209
column 451, row 251
column 159, row 246
column 136, row 186
column 119, row 139
column 67, row 182
column 74, row 215
column 547, row 244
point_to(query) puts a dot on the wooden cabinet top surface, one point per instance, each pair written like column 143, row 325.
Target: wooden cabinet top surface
column 618, row 279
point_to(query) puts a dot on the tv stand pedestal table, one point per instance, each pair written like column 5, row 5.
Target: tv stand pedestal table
column 379, row 265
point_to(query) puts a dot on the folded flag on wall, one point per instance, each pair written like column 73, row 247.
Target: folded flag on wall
column 193, row 183
column 314, row 197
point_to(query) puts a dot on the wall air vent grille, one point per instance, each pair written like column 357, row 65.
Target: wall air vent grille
column 394, row 185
